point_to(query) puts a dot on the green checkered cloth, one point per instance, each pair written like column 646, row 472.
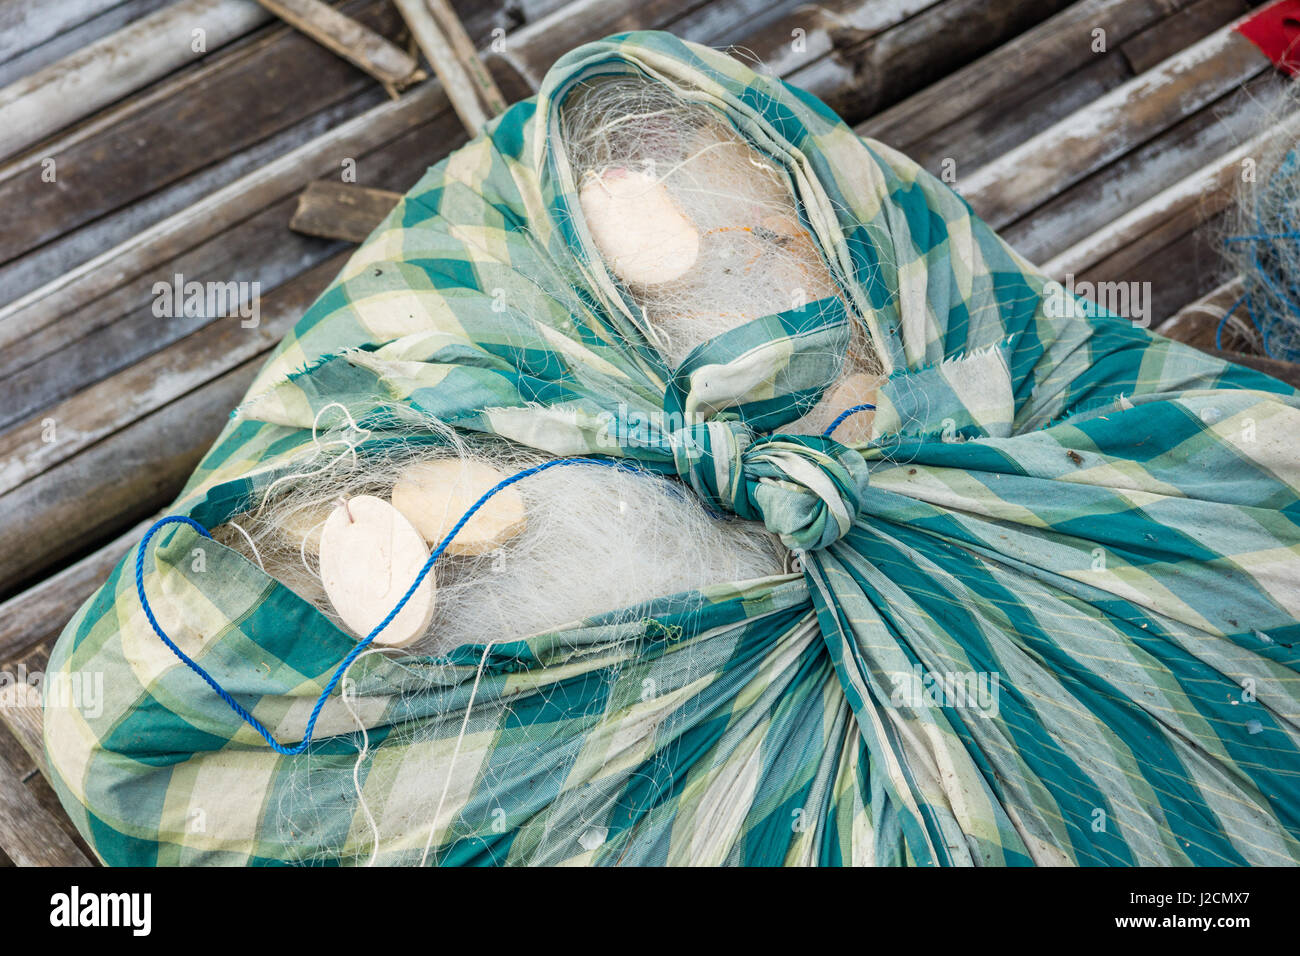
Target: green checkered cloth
column 1046, row 614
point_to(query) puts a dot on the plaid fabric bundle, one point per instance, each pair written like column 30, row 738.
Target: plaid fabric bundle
column 1047, row 614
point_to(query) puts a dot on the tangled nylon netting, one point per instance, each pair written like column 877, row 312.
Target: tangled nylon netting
column 593, row 540
column 1263, row 245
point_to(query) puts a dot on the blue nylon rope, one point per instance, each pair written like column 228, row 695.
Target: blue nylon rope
column 845, row 414
column 352, row 655
column 1218, row 332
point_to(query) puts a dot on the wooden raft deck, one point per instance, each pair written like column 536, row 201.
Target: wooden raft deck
column 166, row 160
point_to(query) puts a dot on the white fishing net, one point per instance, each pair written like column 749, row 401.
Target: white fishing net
column 594, row 539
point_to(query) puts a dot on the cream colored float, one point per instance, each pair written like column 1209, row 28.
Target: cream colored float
column 434, row 495
column 369, row 557
column 638, row 227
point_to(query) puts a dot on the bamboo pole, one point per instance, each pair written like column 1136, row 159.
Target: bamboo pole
column 358, row 44
column 456, row 79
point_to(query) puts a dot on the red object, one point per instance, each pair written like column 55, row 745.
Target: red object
column 1276, row 31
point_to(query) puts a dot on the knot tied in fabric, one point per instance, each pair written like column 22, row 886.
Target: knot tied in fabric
column 806, row 489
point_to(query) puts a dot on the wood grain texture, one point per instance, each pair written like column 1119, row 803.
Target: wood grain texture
column 127, row 479
column 453, row 72
column 1111, row 126
column 1037, row 59
column 879, row 69
column 139, row 152
column 1181, row 30
column 1196, row 197
column 211, row 216
column 1073, row 212
column 350, row 39
column 83, row 82
column 30, row 49
column 38, row 615
column 341, row 211
column 1195, row 323
column 125, row 430
column 34, row 830
column 30, row 834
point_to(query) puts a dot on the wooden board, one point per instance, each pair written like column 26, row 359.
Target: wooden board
column 75, row 87
column 341, row 211
column 1111, row 126
column 100, row 171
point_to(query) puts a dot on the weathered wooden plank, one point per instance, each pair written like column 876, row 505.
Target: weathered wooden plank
column 100, row 171
column 1066, row 152
column 462, row 46
column 350, row 39
column 38, row 615
column 1203, row 193
column 868, row 73
column 33, row 55
column 26, row 25
column 68, row 251
column 34, row 831
column 123, row 205
column 530, row 50
column 22, row 762
column 455, row 77
column 78, row 85
column 340, row 211
column 1195, row 323
column 96, row 412
column 140, row 318
column 987, row 133
column 121, row 327
column 1177, row 264
column 1076, row 211
column 1180, row 31
column 205, row 219
column 780, row 39
column 720, row 24
column 90, row 497
column 113, row 419
column 29, row 834
column 1176, row 223
column 1040, row 57
column 20, row 712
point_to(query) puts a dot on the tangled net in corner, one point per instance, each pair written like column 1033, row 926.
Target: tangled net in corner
column 1264, row 247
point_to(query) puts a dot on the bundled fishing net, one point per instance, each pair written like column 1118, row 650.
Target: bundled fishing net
column 675, row 477
column 699, row 227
